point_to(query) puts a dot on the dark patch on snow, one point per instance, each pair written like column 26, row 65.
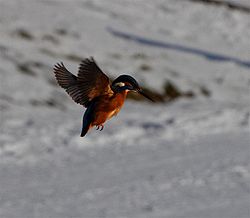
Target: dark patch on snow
column 24, row 34
column 145, row 67
column 152, row 126
column 61, row 32
column 116, row 56
column 170, row 121
column 50, row 38
column 29, row 67
column 205, row 91
column 49, row 52
column 140, row 56
column 229, row 4
column 170, row 93
column 29, row 122
column 148, row 208
column 25, row 68
column 246, row 119
column 53, row 103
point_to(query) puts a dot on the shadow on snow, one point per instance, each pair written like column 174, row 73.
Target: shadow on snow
column 151, row 42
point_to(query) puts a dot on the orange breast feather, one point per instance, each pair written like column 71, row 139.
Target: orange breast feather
column 107, row 107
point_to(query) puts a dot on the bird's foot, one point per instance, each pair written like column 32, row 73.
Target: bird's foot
column 98, row 127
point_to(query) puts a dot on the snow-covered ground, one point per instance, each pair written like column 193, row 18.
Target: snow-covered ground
column 186, row 159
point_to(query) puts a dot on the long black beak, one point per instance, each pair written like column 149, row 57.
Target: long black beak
column 140, row 91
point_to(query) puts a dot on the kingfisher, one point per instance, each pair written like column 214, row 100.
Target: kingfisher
column 93, row 89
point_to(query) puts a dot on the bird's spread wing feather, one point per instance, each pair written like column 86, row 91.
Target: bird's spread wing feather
column 64, row 78
column 90, row 82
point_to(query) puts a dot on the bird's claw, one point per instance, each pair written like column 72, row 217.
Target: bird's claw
column 98, row 127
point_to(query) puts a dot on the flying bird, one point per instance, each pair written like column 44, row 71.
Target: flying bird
column 92, row 89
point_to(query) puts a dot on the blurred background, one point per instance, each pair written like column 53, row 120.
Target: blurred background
column 186, row 156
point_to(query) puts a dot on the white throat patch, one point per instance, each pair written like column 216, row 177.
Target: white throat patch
column 120, row 84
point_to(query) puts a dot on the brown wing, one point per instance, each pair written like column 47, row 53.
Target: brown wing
column 90, row 83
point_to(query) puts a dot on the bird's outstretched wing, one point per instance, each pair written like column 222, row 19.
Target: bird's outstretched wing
column 89, row 83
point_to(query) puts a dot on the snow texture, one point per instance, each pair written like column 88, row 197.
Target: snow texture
column 186, row 159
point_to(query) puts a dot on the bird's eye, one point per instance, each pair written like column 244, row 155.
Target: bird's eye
column 120, row 84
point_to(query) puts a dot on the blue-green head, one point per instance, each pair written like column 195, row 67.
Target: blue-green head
column 128, row 83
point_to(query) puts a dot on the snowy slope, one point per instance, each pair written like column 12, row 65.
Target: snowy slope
column 188, row 158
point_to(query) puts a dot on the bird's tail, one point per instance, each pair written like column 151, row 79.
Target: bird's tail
column 85, row 130
column 87, row 119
